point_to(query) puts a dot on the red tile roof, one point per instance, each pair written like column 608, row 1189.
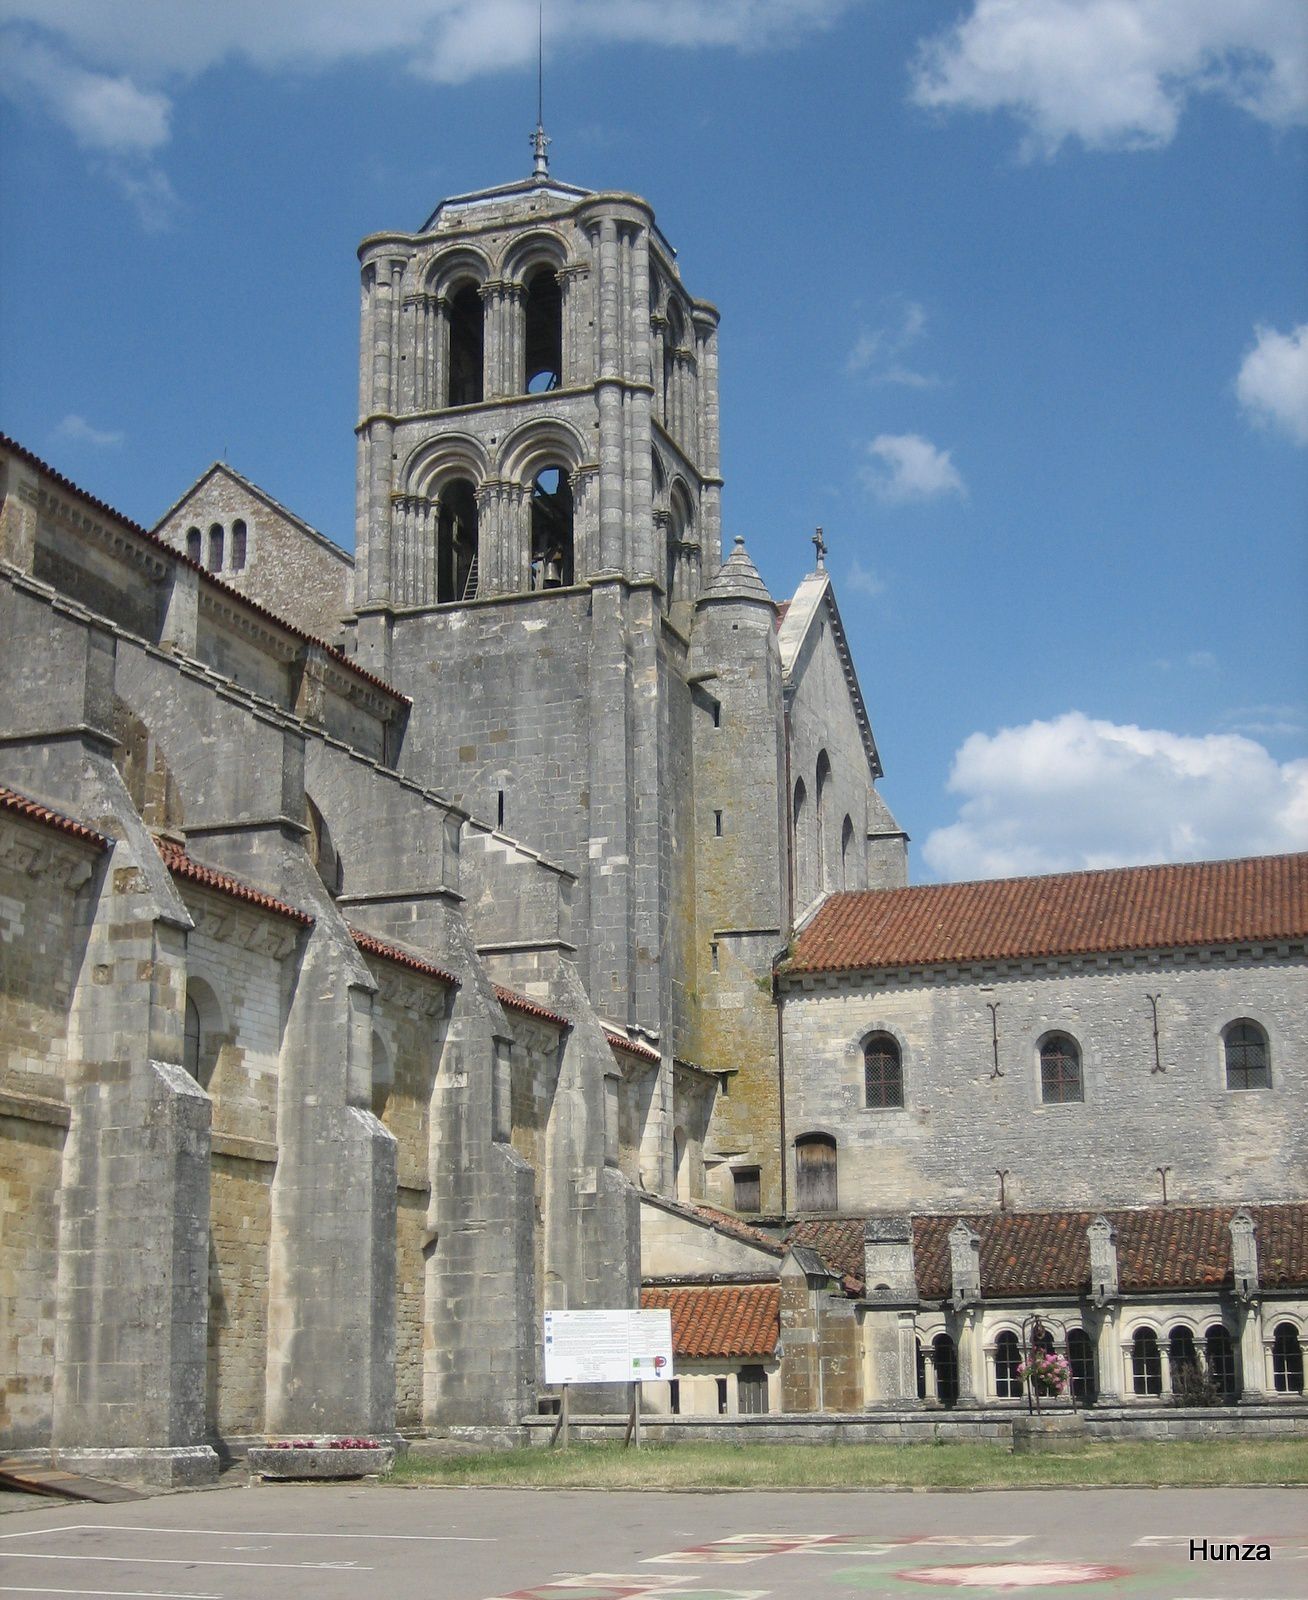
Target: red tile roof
column 529, row 1008
column 67, row 484
column 633, row 1048
column 1047, row 1252
column 34, row 811
column 371, row 945
column 838, row 1241
column 1257, row 899
column 727, row 1320
column 182, row 865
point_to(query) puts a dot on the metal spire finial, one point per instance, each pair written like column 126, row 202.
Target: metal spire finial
column 820, row 545
column 540, row 141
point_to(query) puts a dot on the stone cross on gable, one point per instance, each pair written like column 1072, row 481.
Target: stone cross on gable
column 820, row 545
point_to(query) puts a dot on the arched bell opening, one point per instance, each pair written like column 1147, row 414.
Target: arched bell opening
column 467, row 337
column 457, row 543
column 552, row 530
column 543, row 315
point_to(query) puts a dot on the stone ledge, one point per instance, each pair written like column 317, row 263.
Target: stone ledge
column 34, row 1108
column 231, row 1144
column 319, row 1462
column 169, row 1467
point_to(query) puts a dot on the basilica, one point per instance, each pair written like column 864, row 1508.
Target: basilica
column 504, row 917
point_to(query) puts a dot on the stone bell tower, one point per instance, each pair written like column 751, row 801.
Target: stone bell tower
column 538, row 403
column 539, row 506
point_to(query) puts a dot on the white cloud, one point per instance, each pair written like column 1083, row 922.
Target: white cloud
column 77, row 430
column 877, row 352
column 1076, row 792
column 862, row 580
column 1272, row 384
column 909, row 467
column 447, row 41
column 1116, row 74
column 101, row 111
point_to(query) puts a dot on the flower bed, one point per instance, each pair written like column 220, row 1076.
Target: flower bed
column 320, row 1458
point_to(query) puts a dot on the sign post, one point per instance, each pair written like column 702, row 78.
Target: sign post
column 628, row 1347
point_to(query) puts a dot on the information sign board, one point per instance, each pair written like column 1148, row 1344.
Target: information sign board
column 607, row 1346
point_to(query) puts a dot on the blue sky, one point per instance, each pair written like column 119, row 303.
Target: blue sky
column 1014, row 304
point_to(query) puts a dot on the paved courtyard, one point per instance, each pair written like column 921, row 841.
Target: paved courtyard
column 363, row 1542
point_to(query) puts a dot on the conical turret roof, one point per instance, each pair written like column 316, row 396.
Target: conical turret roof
column 737, row 579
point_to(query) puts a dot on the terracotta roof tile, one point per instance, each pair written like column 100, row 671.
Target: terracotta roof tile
column 34, row 811
column 1259, row 898
column 182, row 865
column 838, row 1240
column 1047, row 1252
column 371, row 945
column 67, row 484
column 529, row 1008
column 726, row 1320
column 632, row 1046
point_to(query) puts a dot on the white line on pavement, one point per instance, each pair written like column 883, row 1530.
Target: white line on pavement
column 114, row 1594
column 256, row 1533
column 184, row 1561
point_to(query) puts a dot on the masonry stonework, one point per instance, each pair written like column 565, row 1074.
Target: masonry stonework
column 398, row 945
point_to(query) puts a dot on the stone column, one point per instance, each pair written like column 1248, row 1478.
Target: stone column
column 658, row 332
column 491, row 336
column 971, row 1358
column 644, row 558
column 1255, row 1353
column 439, row 390
column 610, row 402
column 1108, row 1358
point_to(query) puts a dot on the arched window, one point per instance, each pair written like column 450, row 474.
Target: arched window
column 680, row 530
column 551, row 530
column 1008, row 1361
column 1183, row 1359
column 945, row 1356
column 815, row 1173
column 238, row 545
column 383, row 1077
column 467, row 332
column 216, row 547
column 1146, row 1363
column 921, row 1369
column 543, row 317
column 1248, row 1062
column 191, row 1039
column 202, row 1032
column 1060, row 1070
column 674, row 339
column 846, row 848
column 456, row 543
column 1081, row 1360
column 1287, row 1360
column 194, row 544
column 883, row 1073
column 1219, row 1352
column 819, row 815
column 803, row 885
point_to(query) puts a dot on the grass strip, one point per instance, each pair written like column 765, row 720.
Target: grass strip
column 870, row 1466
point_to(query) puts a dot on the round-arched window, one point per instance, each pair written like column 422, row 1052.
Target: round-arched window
column 883, row 1073
column 1060, row 1070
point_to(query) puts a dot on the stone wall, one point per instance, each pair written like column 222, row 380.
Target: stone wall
column 960, row 1123
column 289, row 567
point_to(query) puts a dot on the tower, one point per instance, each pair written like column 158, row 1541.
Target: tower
column 538, row 403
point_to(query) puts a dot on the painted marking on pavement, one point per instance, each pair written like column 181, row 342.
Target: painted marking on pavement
column 113, row 1594
column 1015, row 1574
column 187, row 1561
